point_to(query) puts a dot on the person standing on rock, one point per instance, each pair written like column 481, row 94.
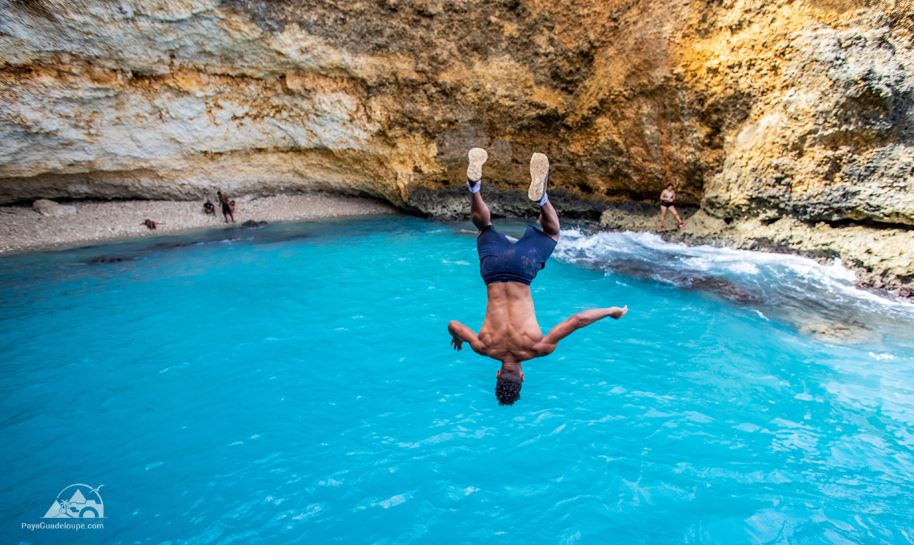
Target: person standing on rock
column 510, row 332
column 227, row 211
column 667, row 199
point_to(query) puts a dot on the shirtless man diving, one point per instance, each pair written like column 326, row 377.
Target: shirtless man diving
column 510, row 332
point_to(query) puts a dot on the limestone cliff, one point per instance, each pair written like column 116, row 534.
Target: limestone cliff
column 762, row 111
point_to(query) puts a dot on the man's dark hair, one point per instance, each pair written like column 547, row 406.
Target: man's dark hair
column 507, row 391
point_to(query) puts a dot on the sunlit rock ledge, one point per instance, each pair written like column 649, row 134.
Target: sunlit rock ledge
column 794, row 116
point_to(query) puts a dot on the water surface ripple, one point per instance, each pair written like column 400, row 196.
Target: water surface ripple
column 294, row 384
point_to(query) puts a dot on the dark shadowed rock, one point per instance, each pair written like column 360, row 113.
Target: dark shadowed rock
column 107, row 259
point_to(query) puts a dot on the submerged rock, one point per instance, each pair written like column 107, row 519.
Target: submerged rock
column 107, row 259
column 838, row 332
column 680, row 277
column 726, row 289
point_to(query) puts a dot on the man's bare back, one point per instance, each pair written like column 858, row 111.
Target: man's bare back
column 510, row 332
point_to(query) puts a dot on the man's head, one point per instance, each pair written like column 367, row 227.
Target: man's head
column 669, row 186
column 507, row 385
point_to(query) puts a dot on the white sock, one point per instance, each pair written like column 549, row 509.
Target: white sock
column 475, row 186
column 544, row 200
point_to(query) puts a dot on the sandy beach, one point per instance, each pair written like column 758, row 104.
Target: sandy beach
column 23, row 228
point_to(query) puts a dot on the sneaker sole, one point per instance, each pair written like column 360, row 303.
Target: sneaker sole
column 539, row 174
column 476, row 156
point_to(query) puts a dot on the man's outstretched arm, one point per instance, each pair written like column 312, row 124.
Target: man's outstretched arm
column 460, row 334
column 576, row 322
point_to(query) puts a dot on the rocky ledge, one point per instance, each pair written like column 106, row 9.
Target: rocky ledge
column 881, row 258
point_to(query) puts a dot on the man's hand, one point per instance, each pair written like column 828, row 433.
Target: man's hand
column 616, row 312
column 461, row 334
column 456, row 342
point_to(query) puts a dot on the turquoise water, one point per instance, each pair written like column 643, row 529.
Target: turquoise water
column 294, row 384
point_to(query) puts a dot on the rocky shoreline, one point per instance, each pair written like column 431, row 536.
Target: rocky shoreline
column 880, row 258
column 23, row 228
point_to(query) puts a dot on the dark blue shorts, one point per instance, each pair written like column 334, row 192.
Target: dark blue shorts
column 500, row 260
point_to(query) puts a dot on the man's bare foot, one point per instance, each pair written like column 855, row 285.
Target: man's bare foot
column 476, row 157
column 616, row 312
column 681, row 225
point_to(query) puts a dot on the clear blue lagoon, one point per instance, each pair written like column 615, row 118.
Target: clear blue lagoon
column 294, row 384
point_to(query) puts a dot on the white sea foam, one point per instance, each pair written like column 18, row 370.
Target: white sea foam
column 743, row 268
column 777, row 283
column 392, row 501
column 882, row 356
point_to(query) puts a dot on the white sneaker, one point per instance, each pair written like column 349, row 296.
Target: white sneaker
column 476, row 156
column 539, row 174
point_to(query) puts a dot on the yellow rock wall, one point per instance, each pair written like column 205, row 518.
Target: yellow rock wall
column 765, row 109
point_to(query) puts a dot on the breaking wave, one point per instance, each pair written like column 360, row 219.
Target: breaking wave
column 821, row 299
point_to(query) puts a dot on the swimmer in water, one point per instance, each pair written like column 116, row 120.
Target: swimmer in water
column 667, row 198
column 510, row 332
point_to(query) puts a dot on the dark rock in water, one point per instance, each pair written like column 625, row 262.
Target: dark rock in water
column 252, row 224
column 159, row 246
column 634, row 268
column 724, row 288
column 107, row 259
column 848, row 332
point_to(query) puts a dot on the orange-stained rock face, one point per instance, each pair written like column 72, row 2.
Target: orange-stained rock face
column 751, row 108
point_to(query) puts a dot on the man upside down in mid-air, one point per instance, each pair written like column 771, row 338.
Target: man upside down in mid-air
column 510, row 332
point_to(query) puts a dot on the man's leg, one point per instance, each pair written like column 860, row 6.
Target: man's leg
column 482, row 218
column 549, row 220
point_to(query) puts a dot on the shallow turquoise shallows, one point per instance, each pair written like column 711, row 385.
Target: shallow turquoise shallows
column 295, row 384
